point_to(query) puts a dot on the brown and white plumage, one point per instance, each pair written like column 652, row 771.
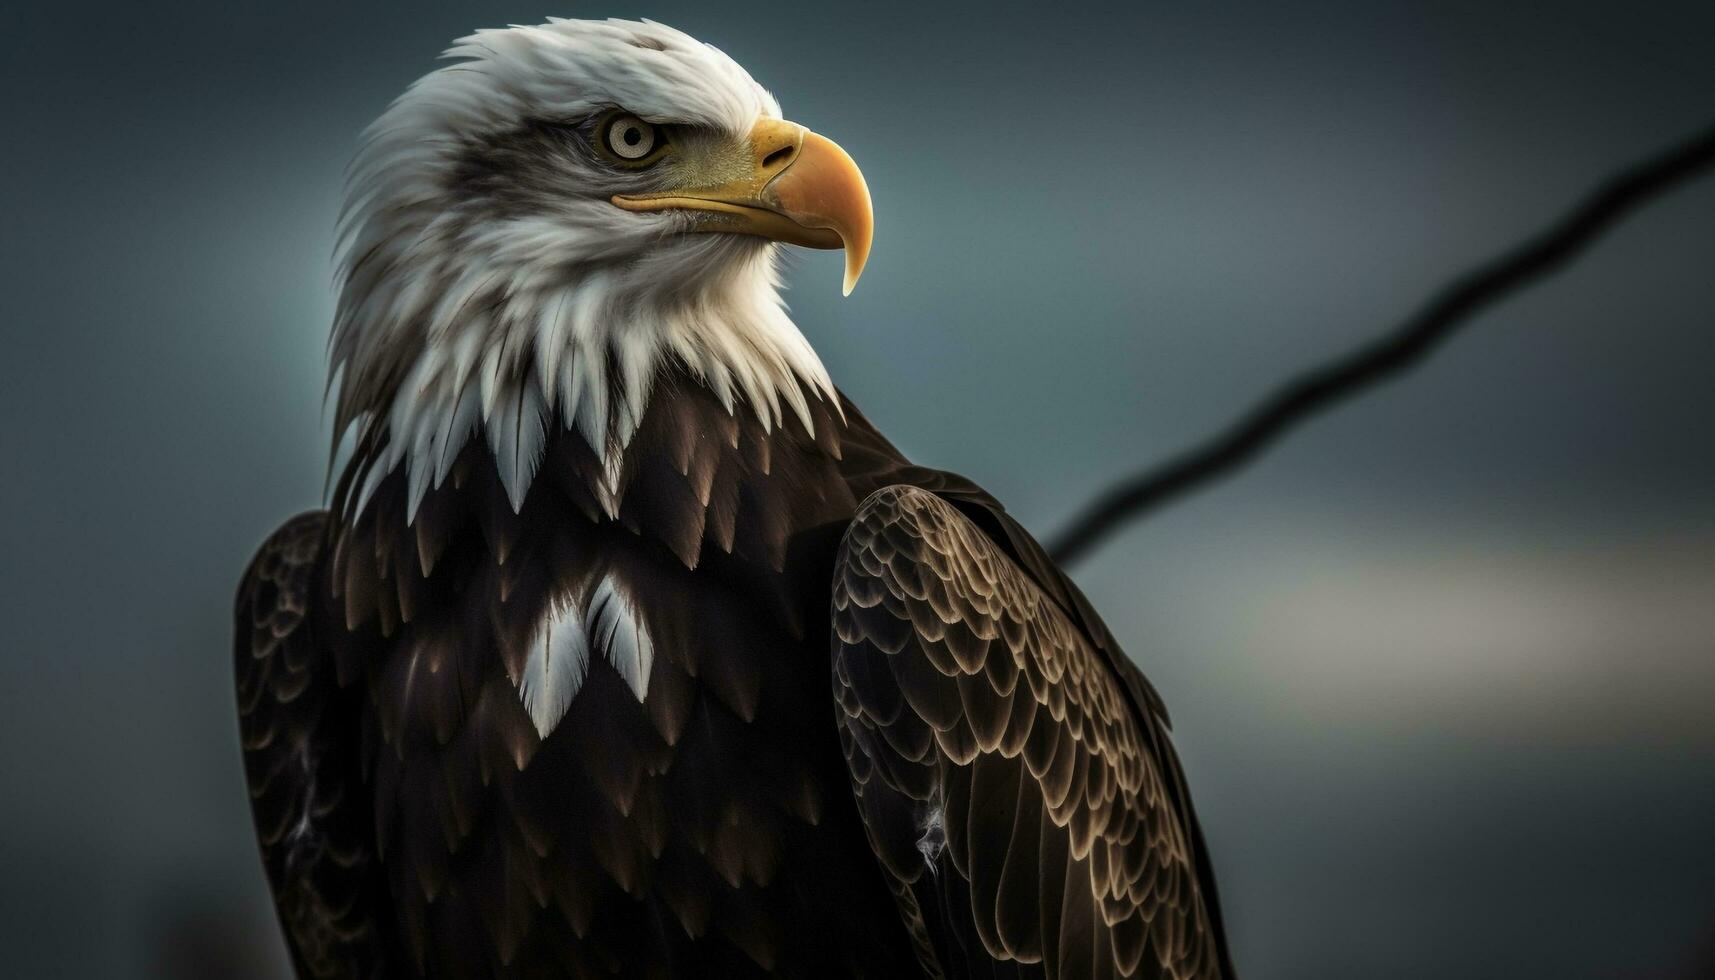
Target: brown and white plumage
column 652, row 656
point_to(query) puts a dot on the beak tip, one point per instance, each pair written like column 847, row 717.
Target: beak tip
column 856, row 259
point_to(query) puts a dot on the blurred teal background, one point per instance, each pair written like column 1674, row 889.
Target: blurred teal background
column 1442, row 665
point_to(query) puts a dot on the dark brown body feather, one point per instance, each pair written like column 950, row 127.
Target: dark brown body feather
column 709, row 829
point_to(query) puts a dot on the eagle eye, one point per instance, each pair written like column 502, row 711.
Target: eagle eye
column 630, row 140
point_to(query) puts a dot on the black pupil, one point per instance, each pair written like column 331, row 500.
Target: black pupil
column 633, row 136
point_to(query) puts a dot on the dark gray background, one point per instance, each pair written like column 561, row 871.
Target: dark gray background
column 1441, row 664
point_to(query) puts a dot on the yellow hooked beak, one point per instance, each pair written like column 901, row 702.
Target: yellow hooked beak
column 803, row 190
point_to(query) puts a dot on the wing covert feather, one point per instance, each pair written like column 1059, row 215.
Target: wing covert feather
column 301, row 760
column 1024, row 806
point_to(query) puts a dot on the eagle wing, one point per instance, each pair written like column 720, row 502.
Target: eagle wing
column 1017, row 786
column 302, row 761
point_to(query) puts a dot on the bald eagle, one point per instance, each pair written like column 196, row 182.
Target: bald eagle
column 626, row 644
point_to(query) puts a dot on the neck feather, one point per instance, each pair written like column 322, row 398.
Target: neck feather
column 582, row 353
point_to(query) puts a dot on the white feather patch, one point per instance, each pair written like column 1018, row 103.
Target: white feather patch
column 554, row 670
column 371, row 482
column 613, row 622
column 516, row 433
column 559, row 656
column 454, row 432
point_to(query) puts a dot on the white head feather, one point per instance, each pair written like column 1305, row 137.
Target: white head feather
column 473, row 303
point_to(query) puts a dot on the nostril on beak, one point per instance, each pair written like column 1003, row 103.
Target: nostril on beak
column 781, row 155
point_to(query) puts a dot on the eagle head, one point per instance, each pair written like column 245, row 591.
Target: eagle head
column 533, row 230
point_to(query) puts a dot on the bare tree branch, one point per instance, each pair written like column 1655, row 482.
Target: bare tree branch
column 1346, row 376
